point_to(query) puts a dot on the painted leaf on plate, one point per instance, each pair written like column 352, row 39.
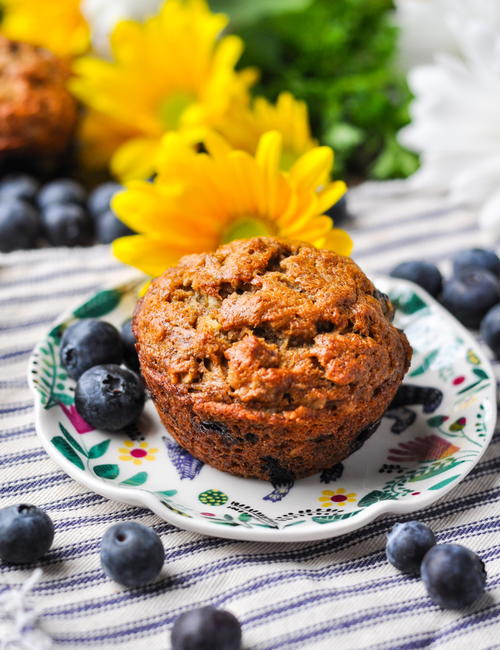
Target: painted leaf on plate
column 74, row 443
column 67, row 451
column 137, row 479
column 100, row 449
column 109, row 471
column 99, row 305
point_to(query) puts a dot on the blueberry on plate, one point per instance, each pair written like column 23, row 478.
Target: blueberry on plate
column 206, row 628
column 477, row 258
column 109, row 397
column 490, row 330
column 100, row 198
column 19, row 186
column 425, row 274
column 63, row 190
column 129, row 352
column 109, row 228
column 132, row 554
column 67, row 224
column 407, row 543
column 89, row 342
column 26, row 533
column 470, row 294
column 339, row 212
column 453, row 575
column 19, row 225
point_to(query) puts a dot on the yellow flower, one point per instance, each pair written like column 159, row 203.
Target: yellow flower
column 57, row 25
column 288, row 116
column 336, row 498
column 137, row 452
column 172, row 72
column 201, row 200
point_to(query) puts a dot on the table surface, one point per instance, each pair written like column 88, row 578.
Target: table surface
column 339, row 593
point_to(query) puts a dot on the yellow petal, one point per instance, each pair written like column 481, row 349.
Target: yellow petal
column 339, row 241
column 135, row 159
column 128, row 443
column 312, row 169
column 330, row 195
column 148, row 255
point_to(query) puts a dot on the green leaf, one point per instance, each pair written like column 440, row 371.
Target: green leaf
column 100, row 449
column 437, row 420
column 99, row 305
column 56, row 332
column 167, row 493
column 438, row 486
column 65, row 399
column 244, row 516
column 371, row 498
column 425, row 365
column 106, row 471
column 74, row 443
column 434, row 470
column 409, row 303
column 137, row 479
column 480, row 373
column 61, row 445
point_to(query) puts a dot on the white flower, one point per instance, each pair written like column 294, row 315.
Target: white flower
column 102, row 16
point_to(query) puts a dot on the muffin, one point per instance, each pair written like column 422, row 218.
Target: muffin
column 267, row 358
column 37, row 113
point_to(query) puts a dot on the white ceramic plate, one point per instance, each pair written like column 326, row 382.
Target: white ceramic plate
column 423, row 448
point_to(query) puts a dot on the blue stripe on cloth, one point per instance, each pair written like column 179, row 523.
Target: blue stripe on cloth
column 56, row 275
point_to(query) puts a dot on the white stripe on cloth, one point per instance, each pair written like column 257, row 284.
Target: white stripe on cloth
column 333, row 593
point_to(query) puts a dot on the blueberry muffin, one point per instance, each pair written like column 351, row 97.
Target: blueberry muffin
column 37, row 113
column 268, row 358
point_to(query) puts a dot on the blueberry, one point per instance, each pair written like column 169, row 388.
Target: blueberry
column 88, row 343
column 64, row 190
column 109, row 228
column 339, row 211
column 19, row 186
column 425, row 274
column 100, row 198
column 453, row 575
column 470, row 294
column 206, row 628
column 109, row 397
column 407, row 543
column 129, row 352
column 67, row 224
column 490, row 330
column 19, row 225
column 477, row 258
column 26, row 533
column 132, row 554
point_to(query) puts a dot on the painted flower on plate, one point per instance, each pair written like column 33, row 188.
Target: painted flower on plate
column 137, row 452
column 337, row 497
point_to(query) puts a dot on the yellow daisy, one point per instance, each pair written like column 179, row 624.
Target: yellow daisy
column 288, row 116
column 172, row 72
column 201, row 200
column 336, row 498
column 137, row 452
column 57, row 25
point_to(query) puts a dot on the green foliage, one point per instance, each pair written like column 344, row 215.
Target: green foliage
column 338, row 57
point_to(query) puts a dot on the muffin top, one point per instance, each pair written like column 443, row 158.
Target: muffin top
column 269, row 324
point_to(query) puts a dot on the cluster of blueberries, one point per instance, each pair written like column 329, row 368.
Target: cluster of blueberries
column 471, row 294
column 59, row 213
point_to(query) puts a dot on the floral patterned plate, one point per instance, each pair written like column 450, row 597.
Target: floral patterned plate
column 434, row 433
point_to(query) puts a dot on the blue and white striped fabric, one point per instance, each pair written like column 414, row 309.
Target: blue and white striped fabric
column 339, row 593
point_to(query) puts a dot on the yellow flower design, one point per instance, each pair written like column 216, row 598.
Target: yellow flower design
column 201, row 200
column 57, row 25
column 137, row 452
column 172, row 72
column 336, row 498
column 288, row 116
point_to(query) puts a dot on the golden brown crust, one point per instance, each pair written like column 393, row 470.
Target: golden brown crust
column 268, row 352
column 37, row 113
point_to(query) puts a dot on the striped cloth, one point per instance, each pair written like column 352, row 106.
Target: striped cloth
column 338, row 593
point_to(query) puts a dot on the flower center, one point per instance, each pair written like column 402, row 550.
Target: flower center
column 172, row 108
column 246, row 227
column 138, row 453
column 338, row 498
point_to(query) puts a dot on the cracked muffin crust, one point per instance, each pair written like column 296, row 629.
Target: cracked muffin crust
column 269, row 358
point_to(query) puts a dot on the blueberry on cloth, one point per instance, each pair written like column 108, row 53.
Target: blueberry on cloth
column 206, row 628
column 453, row 575
column 100, row 198
column 425, row 274
column 18, row 186
column 470, row 294
column 109, row 228
column 89, row 342
column 26, row 533
column 19, row 225
column 407, row 543
column 129, row 352
column 109, row 397
column 67, row 224
column 490, row 329
column 63, row 190
column 477, row 258
column 132, row 554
